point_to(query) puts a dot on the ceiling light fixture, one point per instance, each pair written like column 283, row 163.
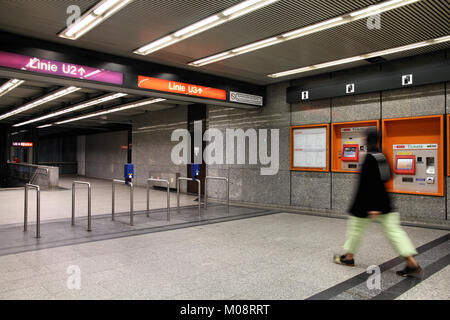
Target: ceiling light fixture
column 204, row 24
column 294, row 34
column 74, row 108
column 117, row 109
column 93, row 17
column 361, row 57
column 52, row 96
column 45, row 126
column 10, row 85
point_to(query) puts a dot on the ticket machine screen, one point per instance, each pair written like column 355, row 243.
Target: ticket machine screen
column 405, row 165
column 350, row 153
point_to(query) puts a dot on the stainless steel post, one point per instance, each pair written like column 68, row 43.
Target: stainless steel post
column 178, row 192
column 89, row 209
column 168, row 201
column 38, row 208
column 73, row 203
column 131, row 203
column 199, row 192
column 89, row 202
column 148, row 199
column 131, row 198
column 112, row 201
column 168, row 195
column 25, row 210
column 199, row 198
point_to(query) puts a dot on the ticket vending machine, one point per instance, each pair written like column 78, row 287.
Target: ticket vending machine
column 353, row 147
column 416, row 167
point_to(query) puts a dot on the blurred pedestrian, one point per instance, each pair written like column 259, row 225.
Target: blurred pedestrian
column 373, row 203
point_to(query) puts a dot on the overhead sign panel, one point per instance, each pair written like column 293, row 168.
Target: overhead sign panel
column 246, row 98
column 22, row 144
column 181, row 88
column 57, row 68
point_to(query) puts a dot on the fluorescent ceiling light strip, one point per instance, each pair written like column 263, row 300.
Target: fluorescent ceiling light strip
column 197, row 25
column 204, row 24
column 74, row 108
column 125, row 107
column 255, row 44
column 93, row 17
column 362, row 57
column 240, row 6
column 324, row 25
column 249, row 9
column 10, row 85
column 35, row 103
column 44, row 126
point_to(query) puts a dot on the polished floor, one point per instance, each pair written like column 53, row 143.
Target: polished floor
column 266, row 256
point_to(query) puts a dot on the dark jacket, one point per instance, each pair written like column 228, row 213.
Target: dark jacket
column 371, row 194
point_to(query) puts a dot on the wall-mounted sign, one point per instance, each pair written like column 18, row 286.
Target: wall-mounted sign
column 57, row 68
column 181, row 88
column 246, row 98
column 22, row 144
column 310, row 148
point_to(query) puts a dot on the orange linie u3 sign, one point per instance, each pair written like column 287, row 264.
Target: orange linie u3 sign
column 181, row 88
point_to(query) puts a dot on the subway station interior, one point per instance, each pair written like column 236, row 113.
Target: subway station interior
column 211, row 150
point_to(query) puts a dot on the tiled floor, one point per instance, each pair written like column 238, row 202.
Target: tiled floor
column 275, row 256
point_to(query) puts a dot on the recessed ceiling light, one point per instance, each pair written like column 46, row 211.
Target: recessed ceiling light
column 294, row 34
column 93, row 17
column 361, row 57
column 204, row 24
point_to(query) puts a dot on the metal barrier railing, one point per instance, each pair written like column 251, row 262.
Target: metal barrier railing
column 168, row 195
column 36, row 172
column 199, row 193
column 38, row 209
column 89, row 202
column 131, row 198
column 206, row 190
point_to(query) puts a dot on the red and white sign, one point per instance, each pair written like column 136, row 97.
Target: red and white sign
column 23, row 144
column 181, row 88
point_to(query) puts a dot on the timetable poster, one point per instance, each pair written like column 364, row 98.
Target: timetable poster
column 310, row 148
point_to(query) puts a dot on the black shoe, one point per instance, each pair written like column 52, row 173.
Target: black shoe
column 341, row 260
column 411, row 272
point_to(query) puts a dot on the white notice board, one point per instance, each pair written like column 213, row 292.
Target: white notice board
column 310, row 148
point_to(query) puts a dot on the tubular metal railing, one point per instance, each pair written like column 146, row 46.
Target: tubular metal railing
column 131, row 199
column 199, row 193
column 89, row 202
column 36, row 172
column 206, row 190
column 168, row 195
column 38, row 209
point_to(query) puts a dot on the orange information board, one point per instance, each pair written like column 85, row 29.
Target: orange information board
column 309, row 145
column 181, row 88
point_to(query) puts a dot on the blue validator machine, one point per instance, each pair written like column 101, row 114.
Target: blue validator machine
column 128, row 172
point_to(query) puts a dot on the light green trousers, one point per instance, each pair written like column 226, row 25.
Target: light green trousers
column 391, row 226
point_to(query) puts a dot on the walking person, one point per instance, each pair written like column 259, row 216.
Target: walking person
column 373, row 203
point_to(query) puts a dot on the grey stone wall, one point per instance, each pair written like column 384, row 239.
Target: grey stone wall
column 152, row 145
column 104, row 156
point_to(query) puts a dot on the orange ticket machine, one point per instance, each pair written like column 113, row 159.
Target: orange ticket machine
column 349, row 145
column 414, row 147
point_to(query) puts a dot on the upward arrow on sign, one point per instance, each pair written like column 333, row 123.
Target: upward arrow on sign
column 81, row 71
